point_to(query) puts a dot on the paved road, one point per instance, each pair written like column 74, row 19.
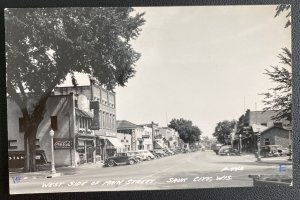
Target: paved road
column 182, row 171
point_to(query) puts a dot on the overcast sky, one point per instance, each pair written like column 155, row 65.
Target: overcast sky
column 200, row 63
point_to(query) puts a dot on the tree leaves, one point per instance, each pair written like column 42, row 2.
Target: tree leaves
column 279, row 98
column 223, row 130
column 90, row 40
column 187, row 131
column 284, row 8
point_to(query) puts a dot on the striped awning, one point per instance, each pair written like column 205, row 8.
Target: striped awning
column 82, row 113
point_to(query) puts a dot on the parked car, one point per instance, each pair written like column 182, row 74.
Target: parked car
column 160, row 152
column 216, row 148
column 156, row 155
column 185, row 150
column 284, row 151
column 120, row 159
column 168, row 152
column 228, row 150
column 271, row 150
column 145, row 154
column 138, row 157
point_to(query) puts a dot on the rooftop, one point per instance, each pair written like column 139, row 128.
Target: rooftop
column 124, row 124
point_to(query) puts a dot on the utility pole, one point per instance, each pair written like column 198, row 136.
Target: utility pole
column 152, row 126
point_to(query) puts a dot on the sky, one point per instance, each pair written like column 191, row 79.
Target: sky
column 201, row 63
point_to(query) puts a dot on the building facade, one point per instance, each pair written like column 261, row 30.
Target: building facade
column 251, row 125
column 63, row 118
column 276, row 135
column 170, row 136
column 102, row 103
column 141, row 135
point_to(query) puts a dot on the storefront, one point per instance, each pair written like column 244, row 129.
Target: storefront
column 85, row 147
column 109, row 146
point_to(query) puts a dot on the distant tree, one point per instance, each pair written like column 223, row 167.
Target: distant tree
column 223, row 130
column 279, row 98
column 43, row 45
column 187, row 131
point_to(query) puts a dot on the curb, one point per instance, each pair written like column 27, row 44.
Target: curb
column 276, row 162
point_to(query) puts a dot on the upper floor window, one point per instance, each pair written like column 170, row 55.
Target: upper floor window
column 21, row 124
column 54, row 123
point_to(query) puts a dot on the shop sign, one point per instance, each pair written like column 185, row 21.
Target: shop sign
column 62, row 143
column 145, row 136
column 95, row 125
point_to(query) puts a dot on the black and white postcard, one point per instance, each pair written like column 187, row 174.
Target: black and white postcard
column 148, row 98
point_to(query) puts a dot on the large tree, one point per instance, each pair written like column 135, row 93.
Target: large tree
column 188, row 132
column 43, row 45
column 279, row 98
column 223, row 131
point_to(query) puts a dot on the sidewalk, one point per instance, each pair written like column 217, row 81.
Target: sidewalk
column 67, row 170
column 276, row 160
column 269, row 160
column 19, row 175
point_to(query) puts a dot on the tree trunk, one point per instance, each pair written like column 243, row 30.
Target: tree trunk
column 32, row 123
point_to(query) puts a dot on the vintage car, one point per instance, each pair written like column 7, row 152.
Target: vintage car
column 271, row 150
column 160, row 152
column 228, row 150
column 216, row 147
column 136, row 154
column 120, row 159
column 145, row 154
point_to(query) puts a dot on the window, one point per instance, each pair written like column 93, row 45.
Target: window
column 267, row 141
column 12, row 144
column 21, row 124
column 37, row 141
column 126, row 140
column 264, row 124
column 103, row 119
column 54, row 123
column 122, row 140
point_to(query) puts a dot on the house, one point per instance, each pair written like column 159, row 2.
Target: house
column 276, row 135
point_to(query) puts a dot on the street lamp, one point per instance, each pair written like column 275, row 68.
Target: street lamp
column 53, row 171
column 240, row 147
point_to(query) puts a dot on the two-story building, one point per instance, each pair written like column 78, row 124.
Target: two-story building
column 170, row 136
column 102, row 103
column 141, row 135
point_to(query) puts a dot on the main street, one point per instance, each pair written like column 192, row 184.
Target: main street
column 182, row 171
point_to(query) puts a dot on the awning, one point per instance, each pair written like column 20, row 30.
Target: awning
column 158, row 145
column 82, row 113
column 115, row 142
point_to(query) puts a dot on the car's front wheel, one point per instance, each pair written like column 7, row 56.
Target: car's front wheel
column 111, row 163
column 131, row 162
column 148, row 158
